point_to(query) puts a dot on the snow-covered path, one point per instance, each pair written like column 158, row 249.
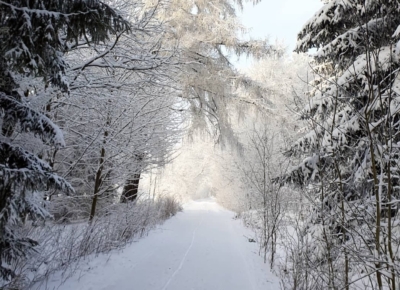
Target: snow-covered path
column 200, row 248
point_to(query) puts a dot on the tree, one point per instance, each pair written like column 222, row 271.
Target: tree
column 205, row 80
column 131, row 123
column 350, row 166
column 114, row 137
column 207, row 34
column 268, row 197
column 33, row 41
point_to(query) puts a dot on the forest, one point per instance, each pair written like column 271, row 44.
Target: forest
column 114, row 114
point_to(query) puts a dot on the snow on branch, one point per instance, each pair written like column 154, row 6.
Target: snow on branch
column 259, row 49
column 301, row 175
column 30, row 120
column 351, row 41
column 25, row 168
column 336, row 31
column 315, row 30
column 38, row 34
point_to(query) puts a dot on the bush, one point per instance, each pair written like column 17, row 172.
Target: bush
column 168, row 206
column 62, row 246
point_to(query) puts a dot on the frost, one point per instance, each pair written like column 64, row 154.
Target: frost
column 25, row 168
column 353, row 113
column 31, row 120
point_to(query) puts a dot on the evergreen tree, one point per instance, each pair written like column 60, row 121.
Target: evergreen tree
column 34, row 37
column 351, row 152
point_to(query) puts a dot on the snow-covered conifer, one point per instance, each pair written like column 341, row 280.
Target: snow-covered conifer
column 351, row 151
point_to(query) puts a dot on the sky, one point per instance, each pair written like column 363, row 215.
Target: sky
column 278, row 19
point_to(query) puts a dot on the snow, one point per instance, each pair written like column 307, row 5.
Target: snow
column 202, row 247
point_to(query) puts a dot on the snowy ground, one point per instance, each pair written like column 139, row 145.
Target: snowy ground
column 201, row 248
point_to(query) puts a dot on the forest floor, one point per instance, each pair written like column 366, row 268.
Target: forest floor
column 201, row 248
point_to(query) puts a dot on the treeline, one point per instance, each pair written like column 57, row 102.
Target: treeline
column 334, row 200
column 92, row 95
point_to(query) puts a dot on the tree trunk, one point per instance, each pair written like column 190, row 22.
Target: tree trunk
column 131, row 187
column 97, row 184
column 130, row 190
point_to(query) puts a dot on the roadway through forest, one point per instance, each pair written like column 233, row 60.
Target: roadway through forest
column 201, row 248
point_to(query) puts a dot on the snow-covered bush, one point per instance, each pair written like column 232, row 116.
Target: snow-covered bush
column 61, row 247
column 168, row 206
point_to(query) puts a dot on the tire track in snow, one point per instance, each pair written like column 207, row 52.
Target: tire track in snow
column 201, row 248
column 250, row 276
column 183, row 259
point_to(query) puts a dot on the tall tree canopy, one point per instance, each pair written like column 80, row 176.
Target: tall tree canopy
column 208, row 34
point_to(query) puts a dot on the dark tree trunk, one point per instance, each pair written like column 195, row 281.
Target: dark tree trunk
column 97, row 184
column 131, row 187
column 130, row 190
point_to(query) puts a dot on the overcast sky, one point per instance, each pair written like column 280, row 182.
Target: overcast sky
column 278, row 19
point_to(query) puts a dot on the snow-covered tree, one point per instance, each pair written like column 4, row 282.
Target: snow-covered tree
column 123, row 106
column 33, row 40
column 266, row 197
column 351, row 151
column 207, row 34
column 112, row 138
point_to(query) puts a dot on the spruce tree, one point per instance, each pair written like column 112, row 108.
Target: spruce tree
column 351, row 153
